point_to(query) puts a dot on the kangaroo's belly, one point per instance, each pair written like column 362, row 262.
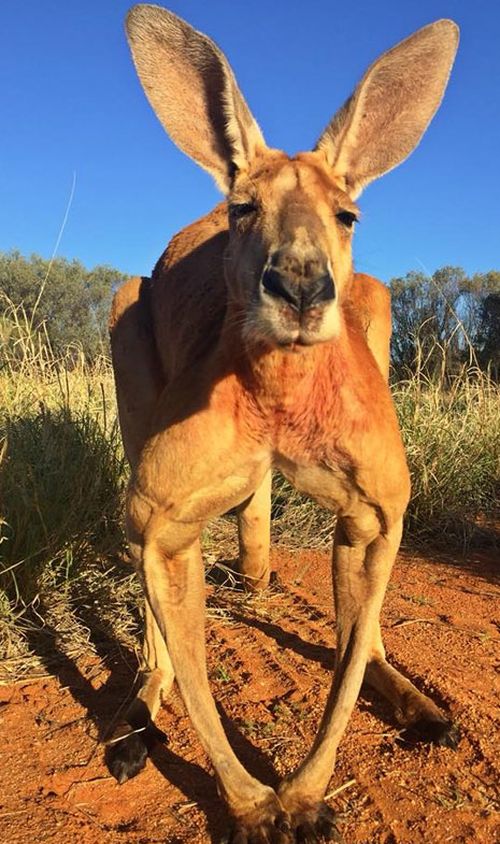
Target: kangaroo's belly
column 330, row 486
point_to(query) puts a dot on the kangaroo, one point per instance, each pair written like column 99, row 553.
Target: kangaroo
column 255, row 345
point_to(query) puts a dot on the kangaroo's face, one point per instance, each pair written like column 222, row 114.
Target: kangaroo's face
column 291, row 219
column 289, row 256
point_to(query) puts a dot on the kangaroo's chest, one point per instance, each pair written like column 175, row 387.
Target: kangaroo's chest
column 322, row 425
column 315, row 444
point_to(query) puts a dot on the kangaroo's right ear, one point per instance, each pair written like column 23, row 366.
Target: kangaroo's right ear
column 192, row 89
column 388, row 113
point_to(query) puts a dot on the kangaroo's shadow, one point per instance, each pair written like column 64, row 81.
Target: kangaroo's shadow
column 109, row 700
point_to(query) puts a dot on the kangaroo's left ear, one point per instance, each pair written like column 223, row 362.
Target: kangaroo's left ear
column 385, row 118
column 191, row 87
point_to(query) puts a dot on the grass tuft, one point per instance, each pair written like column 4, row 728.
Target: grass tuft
column 452, row 437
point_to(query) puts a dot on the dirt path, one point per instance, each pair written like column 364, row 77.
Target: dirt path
column 270, row 660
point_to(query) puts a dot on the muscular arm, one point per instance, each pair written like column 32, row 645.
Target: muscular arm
column 371, row 300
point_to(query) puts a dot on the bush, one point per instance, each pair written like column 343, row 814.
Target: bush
column 61, row 478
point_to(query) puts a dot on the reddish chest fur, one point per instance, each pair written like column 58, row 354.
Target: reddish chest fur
column 313, row 405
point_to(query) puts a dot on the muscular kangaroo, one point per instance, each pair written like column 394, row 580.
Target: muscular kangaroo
column 255, row 345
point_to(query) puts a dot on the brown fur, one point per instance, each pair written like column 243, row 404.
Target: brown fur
column 255, row 345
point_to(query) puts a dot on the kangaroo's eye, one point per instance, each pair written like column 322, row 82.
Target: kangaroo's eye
column 237, row 210
column 347, row 218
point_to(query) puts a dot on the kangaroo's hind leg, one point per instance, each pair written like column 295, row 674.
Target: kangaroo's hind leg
column 134, row 739
column 414, row 710
column 139, row 381
column 138, row 375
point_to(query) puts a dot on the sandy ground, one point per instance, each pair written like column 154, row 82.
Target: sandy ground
column 270, row 659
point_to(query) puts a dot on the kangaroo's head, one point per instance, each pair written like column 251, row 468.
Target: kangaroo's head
column 291, row 219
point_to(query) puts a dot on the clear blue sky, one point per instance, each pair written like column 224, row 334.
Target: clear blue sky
column 71, row 102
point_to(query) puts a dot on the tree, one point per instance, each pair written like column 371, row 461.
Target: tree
column 489, row 333
column 70, row 301
column 444, row 320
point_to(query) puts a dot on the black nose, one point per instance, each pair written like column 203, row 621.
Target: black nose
column 320, row 290
column 301, row 296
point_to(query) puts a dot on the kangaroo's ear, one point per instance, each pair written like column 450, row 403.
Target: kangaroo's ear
column 388, row 113
column 192, row 89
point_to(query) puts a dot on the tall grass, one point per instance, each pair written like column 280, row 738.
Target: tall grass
column 451, row 430
column 63, row 585
column 62, row 476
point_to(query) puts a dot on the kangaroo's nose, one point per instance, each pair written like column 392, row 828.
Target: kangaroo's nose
column 318, row 291
column 299, row 295
column 281, row 287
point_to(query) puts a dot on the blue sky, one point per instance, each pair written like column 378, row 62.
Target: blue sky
column 71, row 102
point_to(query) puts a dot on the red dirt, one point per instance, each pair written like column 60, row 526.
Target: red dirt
column 270, row 660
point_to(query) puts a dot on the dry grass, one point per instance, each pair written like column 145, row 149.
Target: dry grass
column 452, row 437
column 62, row 475
column 64, row 589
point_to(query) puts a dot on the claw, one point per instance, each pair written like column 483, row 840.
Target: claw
column 328, row 829
column 305, row 834
column 126, row 758
column 442, row 733
column 128, row 750
column 282, row 823
column 313, row 824
column 268, row 826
